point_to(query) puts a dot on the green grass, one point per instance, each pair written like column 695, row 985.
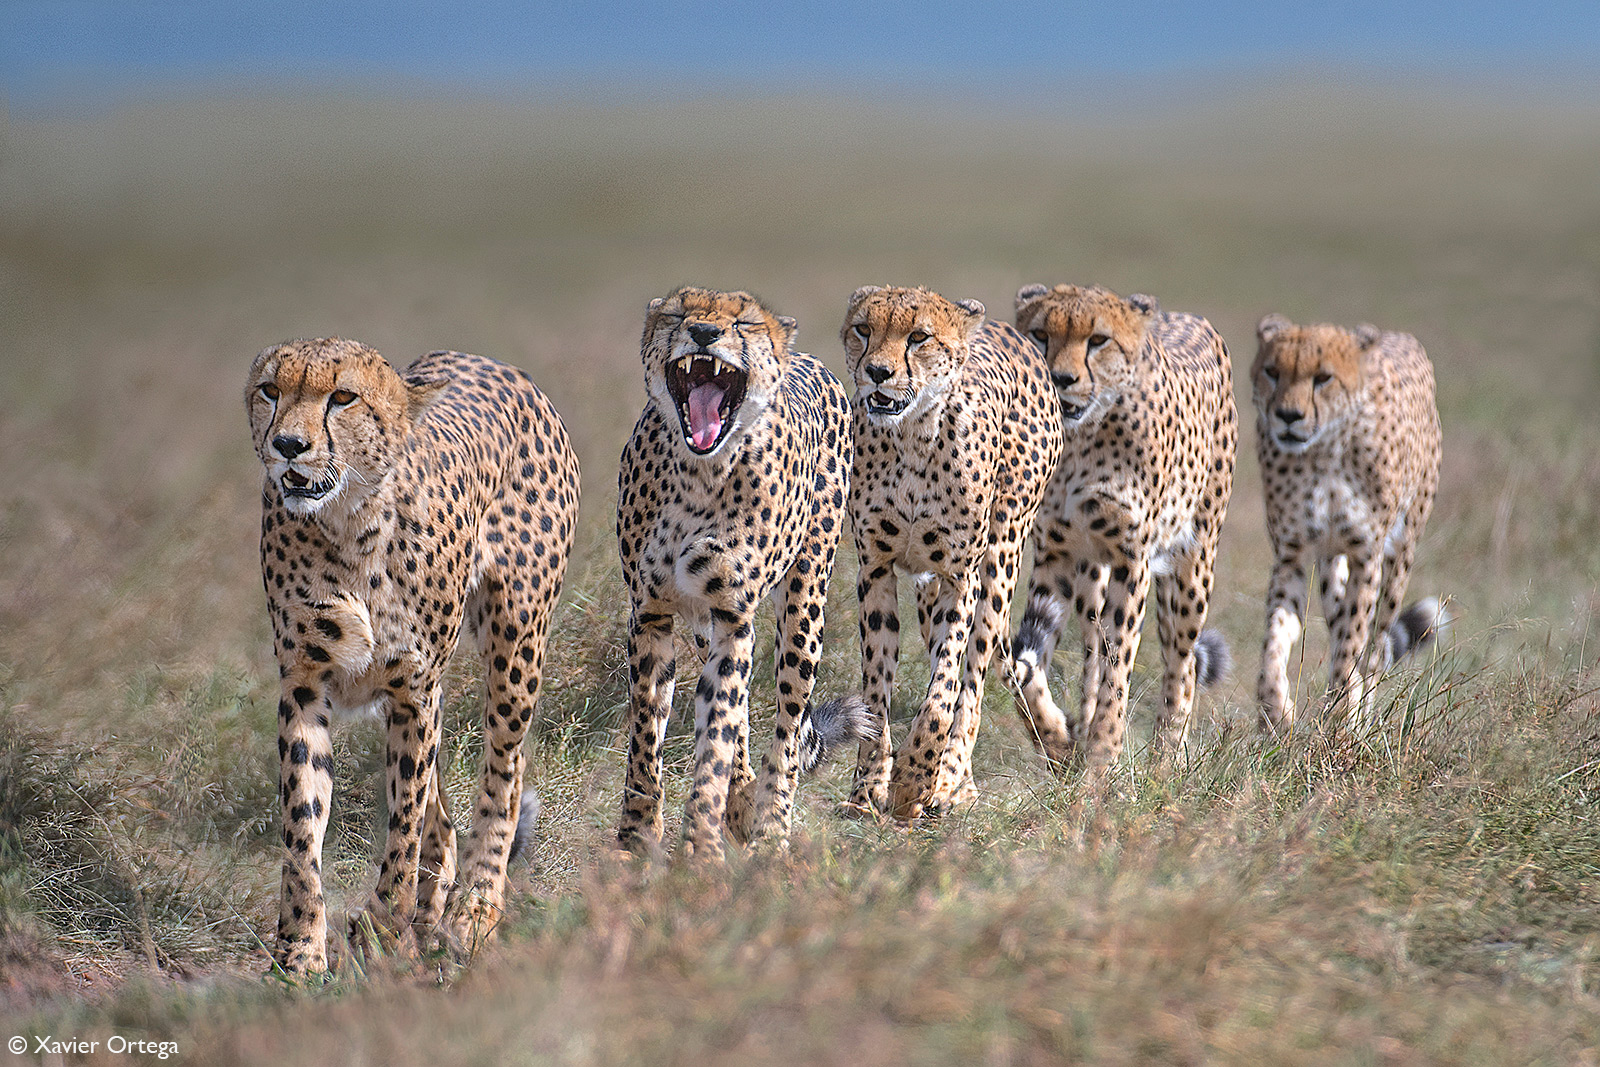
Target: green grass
column 1425, row 894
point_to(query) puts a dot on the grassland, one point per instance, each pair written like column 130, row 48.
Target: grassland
column 1429, row 895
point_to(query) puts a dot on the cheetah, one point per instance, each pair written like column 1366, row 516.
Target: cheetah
column 1347, row 433
column 956, row 439
column 1146, row 400
column 731, row 489
column 395, row 511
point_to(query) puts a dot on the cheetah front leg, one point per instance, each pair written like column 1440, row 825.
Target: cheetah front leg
column 722, row 714
column 513, row 676
column 411, row 753
column 877, row 590
column 953, row 785
column 305, row 786
column 1286, row 608
column 917, row 762
column 652, row 669
column 800, row 605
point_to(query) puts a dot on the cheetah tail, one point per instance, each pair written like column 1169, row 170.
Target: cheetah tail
column 1212, row 657
column 1414, row 629
column 527, row 817
column 827, row 727
column 1038, row 630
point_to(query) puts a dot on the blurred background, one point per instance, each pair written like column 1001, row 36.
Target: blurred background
column 182, row 184
column 185, row 183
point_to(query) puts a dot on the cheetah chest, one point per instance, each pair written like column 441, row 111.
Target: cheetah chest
column 713, row 550
column 925, row 522
column 1329, row 507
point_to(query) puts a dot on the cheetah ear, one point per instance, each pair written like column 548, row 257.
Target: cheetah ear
column 975, row 312
column 862, row 293
column 655, row 304
column 421, row 392
column 1028, row 294
column 1144, row 303
column 1271, row 326
column 787, row 328
column 1366, row 335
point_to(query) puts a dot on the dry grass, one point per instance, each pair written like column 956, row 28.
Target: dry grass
column 1428, row 895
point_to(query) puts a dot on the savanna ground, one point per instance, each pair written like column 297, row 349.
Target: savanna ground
column 1428, row 894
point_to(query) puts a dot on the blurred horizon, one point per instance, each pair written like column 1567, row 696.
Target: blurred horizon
column 77, row 55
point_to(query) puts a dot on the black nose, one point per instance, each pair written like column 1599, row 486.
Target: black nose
column 289, row 446
column 1289, row 415
column 1063, row 380
column 704, row 332
column 878, row 374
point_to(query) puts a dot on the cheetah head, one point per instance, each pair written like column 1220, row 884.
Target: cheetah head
column 906, row 347
column 1091, row 339
column 1307, row 379
column 715, row 359
column 327, row 417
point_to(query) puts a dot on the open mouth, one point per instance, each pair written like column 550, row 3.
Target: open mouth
column 881, row 403
column 707, row 392
column 1072, row 410
column 299, row 486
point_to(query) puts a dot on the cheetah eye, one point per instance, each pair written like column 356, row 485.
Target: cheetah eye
column 1097, row 339
column 861, row 332
column 916, row 337
column 270, row 391
column 1322, row 378
column 342, row 397
column 1270, row 373
column 1042, row 337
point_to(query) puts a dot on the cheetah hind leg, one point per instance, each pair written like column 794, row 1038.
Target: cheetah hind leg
column 740, row 815
column 1031, row 650
column 436, row 871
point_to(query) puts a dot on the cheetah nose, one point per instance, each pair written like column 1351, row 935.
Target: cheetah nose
column 289, row 446
column 1063, row 379
column 704, row 333
column 878, row 374
column 1290, row 416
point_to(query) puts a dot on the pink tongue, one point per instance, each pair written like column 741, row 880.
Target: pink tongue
column 705, row 417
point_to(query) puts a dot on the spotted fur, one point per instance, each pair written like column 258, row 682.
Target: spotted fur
column 1347, row 433
column 956, row 438
column 395, row 512
column 1146, row 401
column 731, row 489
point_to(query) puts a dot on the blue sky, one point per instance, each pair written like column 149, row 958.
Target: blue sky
column 53, row 50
